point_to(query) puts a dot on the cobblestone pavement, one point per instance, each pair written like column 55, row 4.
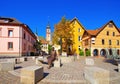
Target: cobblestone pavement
column 68, row 73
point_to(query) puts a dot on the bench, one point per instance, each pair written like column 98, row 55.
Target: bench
column 67, row 59
column 96, row 75
column 6, row 66
column 31, row 74
column 21, row 59
column 57, row 63
column 89, row 61
column 39, row 60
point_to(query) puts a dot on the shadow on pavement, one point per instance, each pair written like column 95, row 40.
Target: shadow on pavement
column 112, row 61
column 17, row 67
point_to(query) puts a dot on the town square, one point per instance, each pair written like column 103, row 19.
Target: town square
column 60, row 42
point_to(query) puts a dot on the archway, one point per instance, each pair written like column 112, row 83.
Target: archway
column 95, row 52
column 118, row 52
column 110, row 52
column 103, row 52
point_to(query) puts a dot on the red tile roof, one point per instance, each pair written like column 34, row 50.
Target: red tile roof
column 97, row 31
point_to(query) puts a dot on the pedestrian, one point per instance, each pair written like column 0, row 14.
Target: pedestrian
column 51, row 58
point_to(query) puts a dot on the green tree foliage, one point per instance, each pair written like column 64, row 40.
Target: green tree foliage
column 63, row 30
column 88, row 52
column 49, row 48
column 81, row 53
column 37, row 45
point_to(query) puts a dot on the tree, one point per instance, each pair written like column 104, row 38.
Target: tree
column 64, row 31
column 49, row 48
column 37, row 45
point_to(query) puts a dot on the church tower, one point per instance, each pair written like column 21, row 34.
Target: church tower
column 48, row 33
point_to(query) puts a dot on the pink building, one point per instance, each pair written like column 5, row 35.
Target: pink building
column 16, row 38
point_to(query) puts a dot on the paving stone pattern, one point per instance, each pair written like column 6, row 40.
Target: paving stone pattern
column 68, row 73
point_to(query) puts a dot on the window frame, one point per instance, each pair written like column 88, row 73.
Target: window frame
column 79, row 38
column 9, row 46
column 110, row 42
column 9, row 34
column 113, row 34
column 107, row 33
column 103, row 41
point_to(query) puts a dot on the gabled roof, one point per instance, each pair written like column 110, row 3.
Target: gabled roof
column 97, row 31
column 75, row 19
column 9, row 20
column 15, row 22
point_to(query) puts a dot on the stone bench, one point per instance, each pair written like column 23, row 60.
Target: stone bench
column 89, row 61
column 67, row 59
column 96, row 75
column 39, row 60
column 31, row 74
column 57, row 63
column 6, row 66
column 21, row 59
column 118, row 66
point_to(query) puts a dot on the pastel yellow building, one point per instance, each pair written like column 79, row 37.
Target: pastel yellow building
column 78, row 33
column 104, row 41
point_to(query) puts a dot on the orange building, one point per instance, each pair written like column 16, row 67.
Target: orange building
column 104, row 41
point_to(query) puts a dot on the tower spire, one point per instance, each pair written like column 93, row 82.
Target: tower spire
column 48, row 24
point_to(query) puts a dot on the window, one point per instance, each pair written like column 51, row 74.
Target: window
column 117, row 42
column 10, row 33
column 113, row 33
column 103, row 42
column 79, row 47
column 79, row 38
column 110, row 25
column 79, row 30
column 110, row 43
column 107, row 33
column 74, row 22
column 10, row 45
column 48, row 30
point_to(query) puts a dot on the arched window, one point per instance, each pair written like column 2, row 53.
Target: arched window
column 118, row 52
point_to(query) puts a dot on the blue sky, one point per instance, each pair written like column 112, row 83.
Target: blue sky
column 91, row 13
